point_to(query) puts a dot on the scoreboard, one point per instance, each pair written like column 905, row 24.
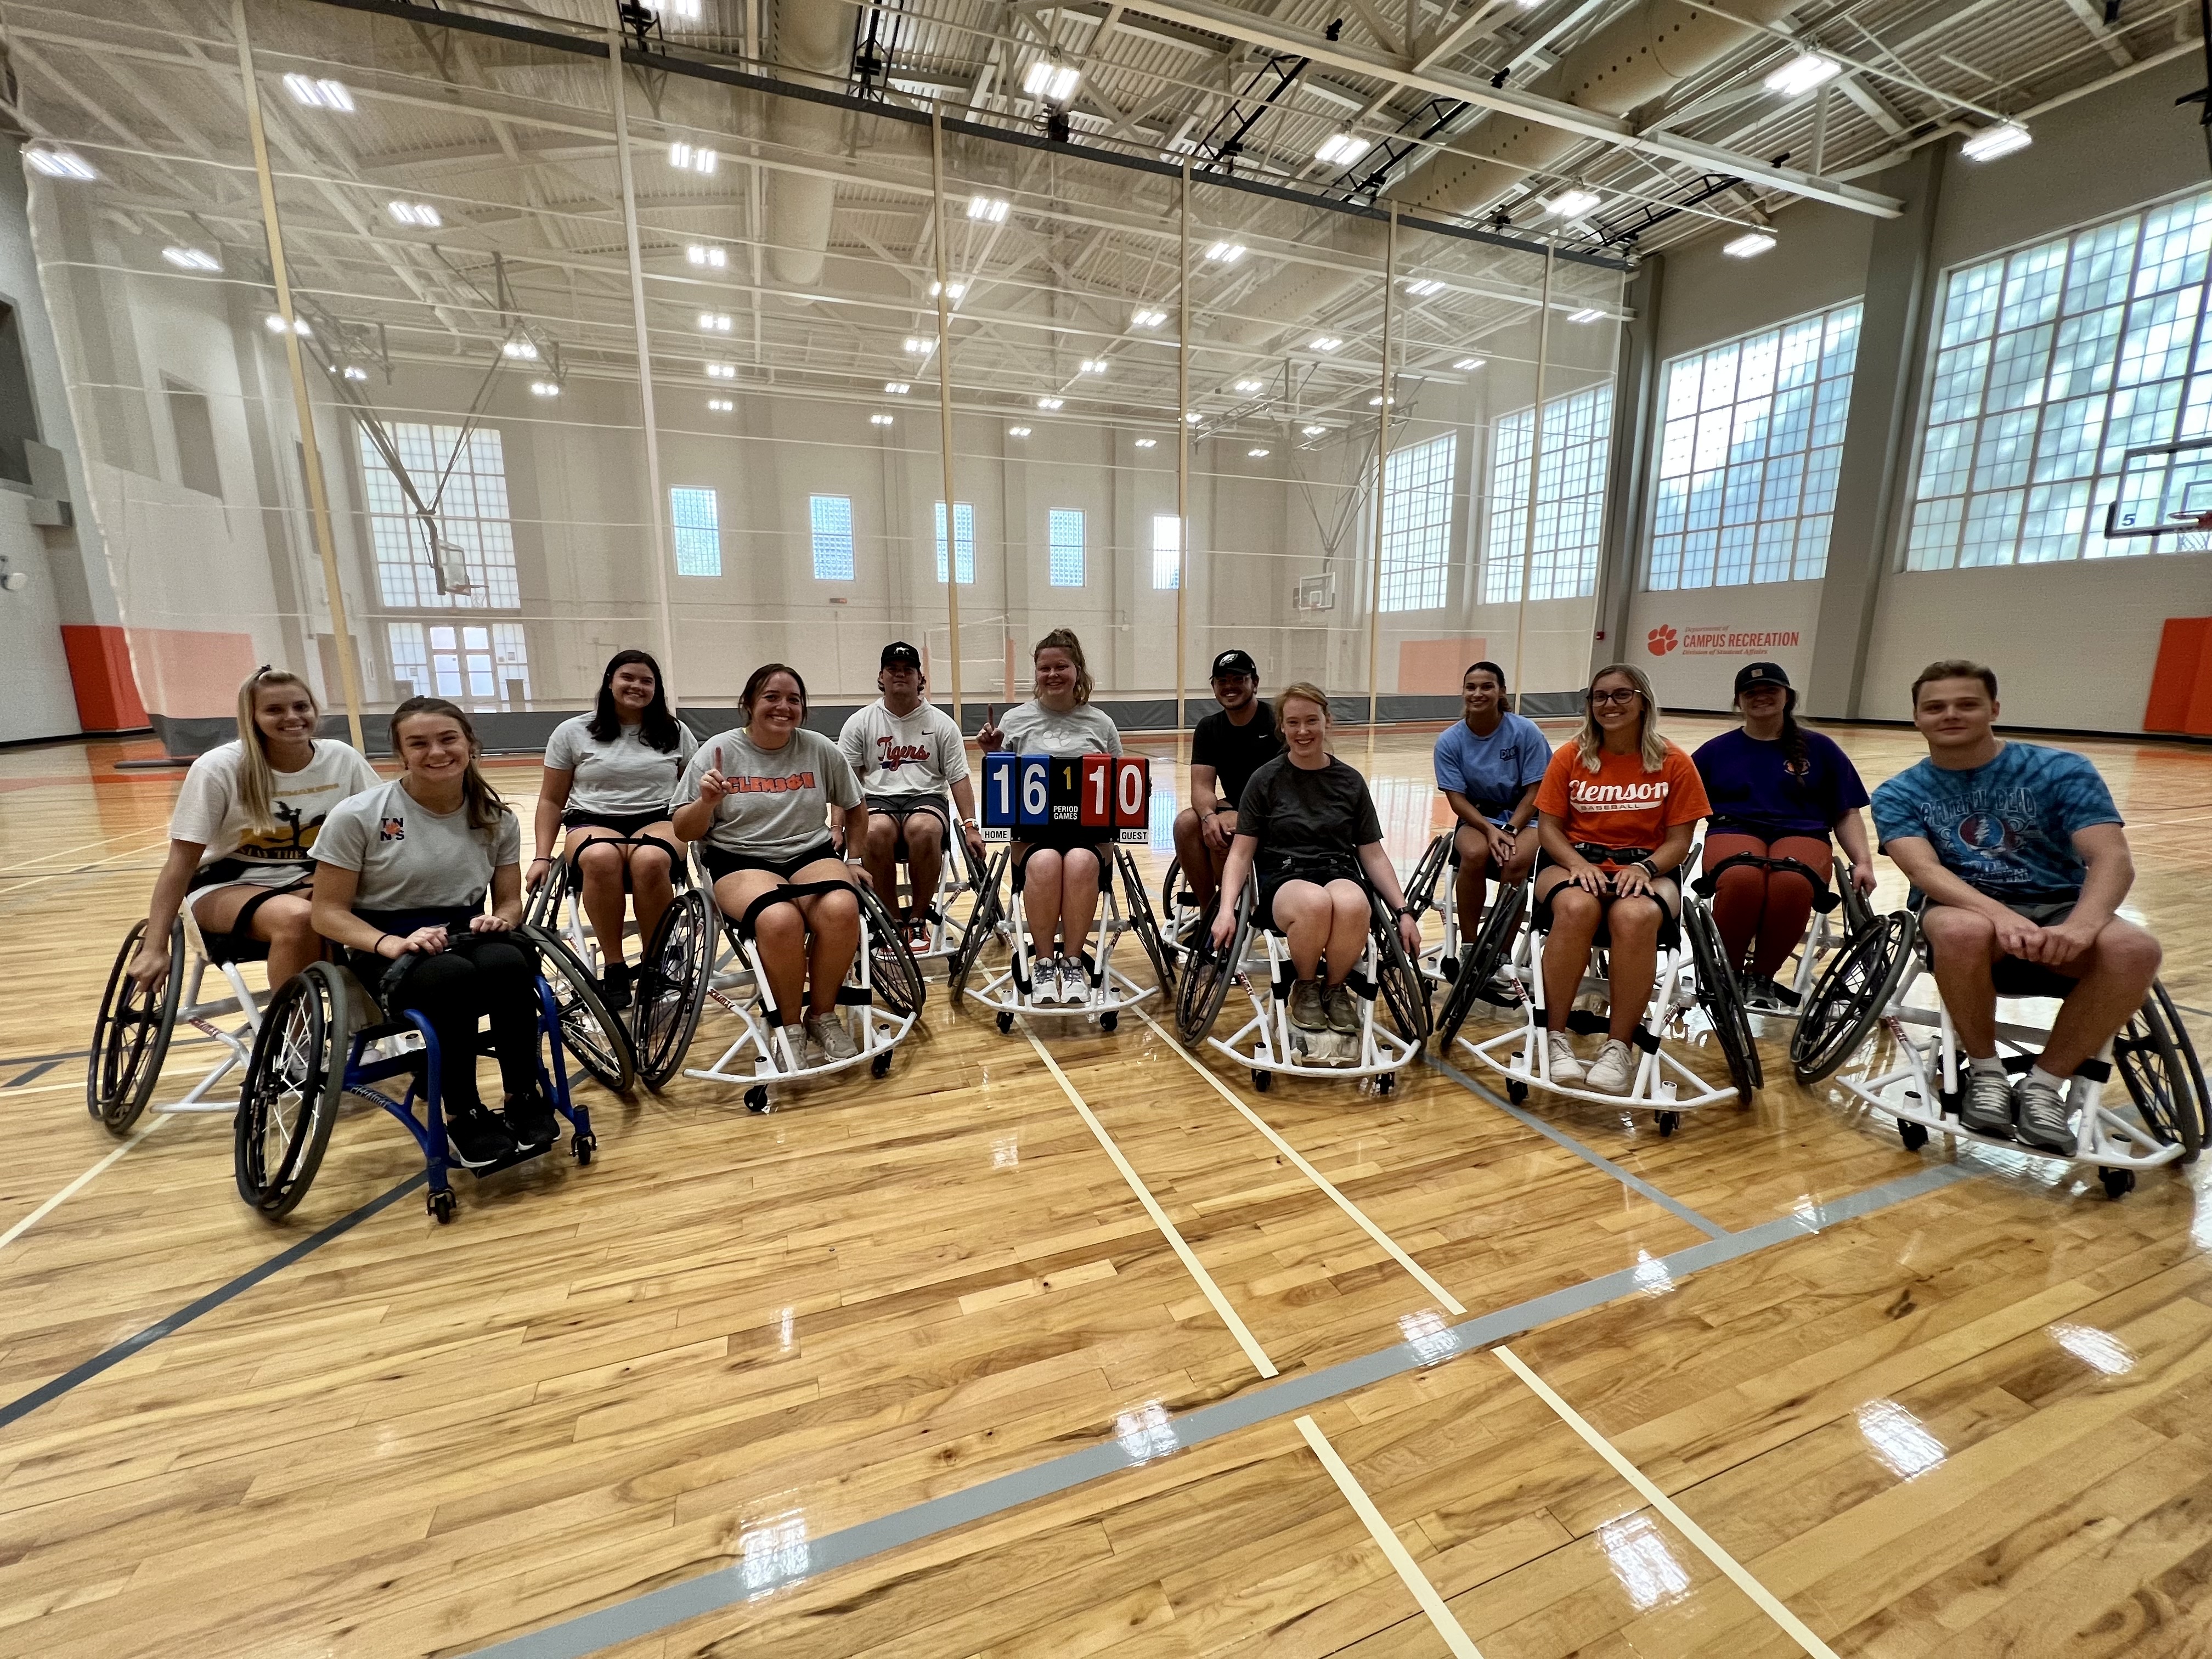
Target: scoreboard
column 1109, row 794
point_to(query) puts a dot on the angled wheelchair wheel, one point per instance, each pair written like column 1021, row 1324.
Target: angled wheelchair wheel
column 891, row 969
column 295, row 1082
column 2187, row 1050
column 1404, row 991
column 1858, row 914
column 132, row 1037
column 983, row 920
column 1848, row 1000
column 1208, row 971
column 1144, row 922
column 1481, row 960
column 2152, row 1057
column 671, row 988
column 1421, row 885
column 1170, row 885
column 545, row 907
column 1722, row 1003
column 588, row 1028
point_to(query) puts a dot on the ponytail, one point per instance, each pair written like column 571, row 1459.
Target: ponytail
column 257, row 779
column 485, row 807
column 1797, row 754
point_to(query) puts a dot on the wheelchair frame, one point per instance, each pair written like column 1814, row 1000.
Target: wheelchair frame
column 1823, row 940
column 955, row 876
column 122, row 1067
column 1008, row 991
column 737, row 982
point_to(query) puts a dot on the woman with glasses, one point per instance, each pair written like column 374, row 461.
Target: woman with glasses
column 1618, row 809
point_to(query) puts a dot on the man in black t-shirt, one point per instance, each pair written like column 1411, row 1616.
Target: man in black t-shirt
column 1225, row 750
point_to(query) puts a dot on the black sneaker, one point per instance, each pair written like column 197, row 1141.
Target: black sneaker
column 614, row 987
column 531, row 1120
column 476, row 1140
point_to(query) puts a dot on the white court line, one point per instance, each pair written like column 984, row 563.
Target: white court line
column 1451, row 1304
column 1394, row 1550
column 1245, row 1341
column 83, row 869
column 1768, row 1602
column 75, row 1186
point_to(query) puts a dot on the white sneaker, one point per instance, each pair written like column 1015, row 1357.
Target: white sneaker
column 1074, row 983
column 1565, row 1066
column 1044, row 980
column 1615, row 1068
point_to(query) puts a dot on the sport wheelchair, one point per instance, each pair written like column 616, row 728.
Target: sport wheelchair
column 131, row 1039
column 1823, row 938
column 1007, row 985
column 1694, row 1000
column 1867, row 989
column 1267, row 1044
column 766, row 1051
column 323, row 1037
column 957, row 878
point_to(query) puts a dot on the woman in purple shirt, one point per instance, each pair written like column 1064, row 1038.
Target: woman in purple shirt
column 1778, row 792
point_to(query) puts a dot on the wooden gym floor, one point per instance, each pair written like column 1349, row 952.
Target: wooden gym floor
column 1087, row 1348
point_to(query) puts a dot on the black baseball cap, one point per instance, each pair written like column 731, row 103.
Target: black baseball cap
column 899, row 655
column 1760, row 673
column 1235, row 662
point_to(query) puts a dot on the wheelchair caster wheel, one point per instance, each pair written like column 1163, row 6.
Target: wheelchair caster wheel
column 1517, row 1093
column 1914, row 1135
column 1667, row 1121
column 2118, row 1184
column 1109, row 1020
column 756, row 1098
column 1262, row 1080
column 881, row 1065
column 1006, row 1022
column 1450, row 969
column 1385, row 1082
column 583, row 1146
column 442, row 1207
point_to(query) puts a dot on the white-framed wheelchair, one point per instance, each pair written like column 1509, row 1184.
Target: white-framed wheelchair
column 1693, row 1002
column 1267, row 1044
column 130, row 1038
column 323, row 1037
column 997, row 946
column 1914, row 1068
column 944, row 916
column 882, row 995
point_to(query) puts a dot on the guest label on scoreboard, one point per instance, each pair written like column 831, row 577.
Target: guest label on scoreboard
column 1132, row 799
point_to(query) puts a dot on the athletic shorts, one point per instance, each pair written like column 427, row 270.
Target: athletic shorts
column 239, row 945
column 623, row 824
column 1062, row 837
column 1319, row 872
column 720, row 864
column 2016, row 976
column 1667, row 890
column 900, row 808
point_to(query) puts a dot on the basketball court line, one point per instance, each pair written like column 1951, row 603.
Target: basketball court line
column 652, row 1611
column 80, row 1183
column 1451, row 1304
column 82, row 869
column 1768, row 1603
column 1394, row 1550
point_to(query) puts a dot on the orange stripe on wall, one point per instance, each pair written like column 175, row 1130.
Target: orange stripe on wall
column 188, row 673
column 100, row 672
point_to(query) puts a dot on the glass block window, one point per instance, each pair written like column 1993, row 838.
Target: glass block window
column 1063, row 536
column 474, row 665
column 963, row 530
column 830, row 519
column 464, row 480
column 1416, row 498
column 697, row 517
column 1570, row 498
column 1749, row 454
column 1167, row 551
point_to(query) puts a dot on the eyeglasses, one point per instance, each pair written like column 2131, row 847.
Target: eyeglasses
column 1627, row 696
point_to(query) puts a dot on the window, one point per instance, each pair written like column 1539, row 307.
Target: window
column 1748, row 455
column 464, row 479
column 1569, row 499
column 1167, row 551
column 193, row 428
column 1417, row 491
column 19, row 410
column 1063, row 533
column 697, row 517
column 2050, row 364
column 963, row 531
column 830, row 518
column 477, row 662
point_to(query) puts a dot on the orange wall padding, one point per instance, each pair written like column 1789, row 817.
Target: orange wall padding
column 99, row 672
column 1435, row 666
column 2181, row 683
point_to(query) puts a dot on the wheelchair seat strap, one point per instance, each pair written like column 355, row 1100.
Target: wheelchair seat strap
column 1825, row 896
column 785, row 895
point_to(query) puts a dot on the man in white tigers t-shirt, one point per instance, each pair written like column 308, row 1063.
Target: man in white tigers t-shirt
column 907, row 754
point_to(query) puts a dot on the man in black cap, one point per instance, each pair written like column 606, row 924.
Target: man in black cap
column 1225, row 750
column 907, row 754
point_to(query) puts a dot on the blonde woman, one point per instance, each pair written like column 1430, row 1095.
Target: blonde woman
column 243, row 828
column 1308, row 823
column 1619, row 807
column 1058, row 864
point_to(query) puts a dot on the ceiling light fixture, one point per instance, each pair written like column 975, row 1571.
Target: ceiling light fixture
column 1313, row 431
column 523, row 350
column 1749, row 245
column 1225, row 254
column 1993, row 141
column 1587, row 314
column 992, row 209
column 191, row 259
column 1193, row 417
column 1147, row 318
column 699, row 254
column 1018, row 432
column 897, row 388
column 1093, row 366
column 319, row 95
column 1257, row 454
column 1050, row 403
column 879, row 420
column 954, row 291
column 721, row 405
column 1146, row 443
column 420, row 214
column 1469, row 365
column 1251, row 385
column 721, row 371
column 275, row 325
column 355, row 371
column 1054, row 82
column 544, row 389
column 1375, row 402
column 1421, row 287
column 1801, row 74
column 1570, row 204
column 1325, row 342
column 692, row 158
column 59, row 163
column 1341, row 150
column 715, row 322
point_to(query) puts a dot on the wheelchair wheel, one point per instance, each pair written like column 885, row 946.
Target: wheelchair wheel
column 295, row 1082
column 591, row 1033
column 671, row 988
column 1404, row 991
column 1722, row 1003
column 544, row 909
column 1421, row 885
column 1207, row 974
column 1145, row 923
column 1858, row 914
column 983, row 919
column 891, row 969
column 1849, row 1000
column 132, row 1038
column 2162, row 1078
column 1479, row 962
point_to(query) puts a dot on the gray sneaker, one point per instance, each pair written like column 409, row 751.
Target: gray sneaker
column 2040, row 1111
column 828, row 1032
column 1308, row 1012
column 1342, row 1009
column 1985, row 1104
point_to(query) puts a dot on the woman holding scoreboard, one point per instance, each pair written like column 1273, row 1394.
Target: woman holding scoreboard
column 1057, row 863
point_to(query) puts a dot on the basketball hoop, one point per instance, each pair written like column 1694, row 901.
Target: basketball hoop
column 2188, row 521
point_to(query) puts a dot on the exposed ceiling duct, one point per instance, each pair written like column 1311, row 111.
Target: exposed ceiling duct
column 815, row 39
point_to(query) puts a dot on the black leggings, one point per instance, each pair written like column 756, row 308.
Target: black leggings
column 479, row 974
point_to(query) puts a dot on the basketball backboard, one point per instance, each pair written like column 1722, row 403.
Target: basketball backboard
column 2165, row 489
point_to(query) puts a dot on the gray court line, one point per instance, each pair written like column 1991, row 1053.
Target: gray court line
column 32, row 1075
column 771, row 1561
column 1674, row 1206
column 48, row 1392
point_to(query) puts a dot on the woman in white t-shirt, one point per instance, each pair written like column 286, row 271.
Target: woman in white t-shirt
column 757, row 800
column 244, row 821
column 1058, row 863
column 609, row 778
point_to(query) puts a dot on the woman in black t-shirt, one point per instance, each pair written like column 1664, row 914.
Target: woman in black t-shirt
column 1308, row 823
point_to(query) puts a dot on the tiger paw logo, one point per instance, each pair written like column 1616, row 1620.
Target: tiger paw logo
column 1661, row 640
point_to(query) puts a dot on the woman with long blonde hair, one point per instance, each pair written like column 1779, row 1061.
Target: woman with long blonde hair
column 243, row 829
column 1618, row 809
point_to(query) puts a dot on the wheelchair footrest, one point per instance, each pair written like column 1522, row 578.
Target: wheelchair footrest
column 523, row 1156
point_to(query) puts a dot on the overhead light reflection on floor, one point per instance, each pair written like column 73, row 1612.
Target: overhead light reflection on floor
column 1428, row 1336
column 774, row 1552
column 2099, row 1349
column 1147, row 1432
column 1651, row 1275
column 1899, row 1438
column 1006, row 1152
column 1647, row 1568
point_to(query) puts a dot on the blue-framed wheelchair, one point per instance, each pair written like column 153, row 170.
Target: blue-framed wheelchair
column 323, row 1037
column 131, row 1037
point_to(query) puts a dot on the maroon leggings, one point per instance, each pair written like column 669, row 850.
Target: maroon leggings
column 1762, row 913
